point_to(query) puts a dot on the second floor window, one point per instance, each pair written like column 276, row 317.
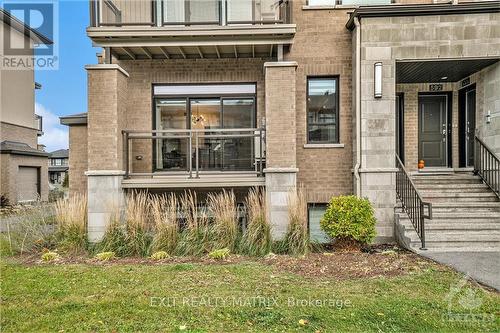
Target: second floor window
column 322, row 110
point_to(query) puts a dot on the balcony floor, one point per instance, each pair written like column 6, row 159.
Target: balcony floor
column 208, row 180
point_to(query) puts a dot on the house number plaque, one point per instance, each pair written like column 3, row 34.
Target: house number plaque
column 435, row 87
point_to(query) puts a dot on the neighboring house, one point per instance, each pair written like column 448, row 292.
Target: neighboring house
column 58, row 166
column 321, row 94
column 23, row 166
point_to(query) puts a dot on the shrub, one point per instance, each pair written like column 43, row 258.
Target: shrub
column 136, row 220
column 49, row 256
column 257, row 237
column 224, row 229
column 4, row 201
column 115, row 238
column 220, row 254
column 31, row 229
column 159, row 255
column 164, row 213
column 296, row 240
column 194, row 238
column 71, row 220
column 349, row 218
column 105, row 256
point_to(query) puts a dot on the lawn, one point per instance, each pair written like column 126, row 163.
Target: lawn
column 241, row 296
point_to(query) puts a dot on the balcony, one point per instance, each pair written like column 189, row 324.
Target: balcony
column 39, row 124
column 201, row 158
column 145, row 29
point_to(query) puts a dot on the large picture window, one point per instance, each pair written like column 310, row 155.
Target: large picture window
column 205, row 110
column 322, row 110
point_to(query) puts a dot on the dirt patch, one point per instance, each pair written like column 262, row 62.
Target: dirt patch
column 375, row 261
column 348, row 265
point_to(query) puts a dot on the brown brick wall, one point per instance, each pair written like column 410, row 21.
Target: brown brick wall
column 107, row 98
column 280, row 117
column 78, row 162
column 17, row 133
column 322, row 46
column 10, row 164
column 144, row 73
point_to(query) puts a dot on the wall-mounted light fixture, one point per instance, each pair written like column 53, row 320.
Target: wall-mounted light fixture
column 377, row 77
column 488, row 117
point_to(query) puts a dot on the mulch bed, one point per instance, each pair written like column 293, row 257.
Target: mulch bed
column 376, row 261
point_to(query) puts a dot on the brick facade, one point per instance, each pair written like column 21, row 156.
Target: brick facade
column 322, row 47
column 145, row 73
column 16, row 133
column 10, row 164
column 78, row 161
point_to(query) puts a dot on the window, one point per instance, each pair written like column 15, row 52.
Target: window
column 189, row 107
column 321, row 2
column 315, row 213
column 322, row 110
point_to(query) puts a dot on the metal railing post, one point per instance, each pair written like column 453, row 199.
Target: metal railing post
column 126, row 153
column 197, row 151
column 190, row 154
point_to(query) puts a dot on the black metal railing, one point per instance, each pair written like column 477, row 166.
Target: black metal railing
column 121, row 13
column 192, row 152
column 417, row 209
column 487, row 165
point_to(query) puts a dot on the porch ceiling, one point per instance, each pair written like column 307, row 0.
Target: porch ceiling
column 195, row 52
column 436, row 70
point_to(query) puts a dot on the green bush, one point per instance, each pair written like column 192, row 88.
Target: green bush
column 349, row 218
column 105, row 256
column 160, row 255
column 49, row 256
column 220, row 254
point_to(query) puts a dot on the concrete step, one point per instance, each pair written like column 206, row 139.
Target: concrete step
column 457, row 194
column 457, row 246
column 444, row 225
column 462, row 207
column 453, row 187
column 450, row 181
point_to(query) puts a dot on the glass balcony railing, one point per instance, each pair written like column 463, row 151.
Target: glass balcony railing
column 188, row 12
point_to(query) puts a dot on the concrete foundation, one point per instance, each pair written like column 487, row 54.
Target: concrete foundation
column 280, row 182
column 105, row 197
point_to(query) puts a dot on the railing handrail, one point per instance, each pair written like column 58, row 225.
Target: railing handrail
column 409, row 178
column 412, row 201
column 487, row 148
column 283, row 8
column 193, row 136
column 487, row 165
column 187, row 130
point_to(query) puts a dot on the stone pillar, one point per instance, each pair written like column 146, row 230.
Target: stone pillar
column 107, row 90
column 378, row 139
column 281, row 158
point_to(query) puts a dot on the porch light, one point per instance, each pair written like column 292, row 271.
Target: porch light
column 377, row 72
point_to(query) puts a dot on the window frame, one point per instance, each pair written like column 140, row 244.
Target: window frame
column 337, row 105
column 189, row 95
column 312, row 205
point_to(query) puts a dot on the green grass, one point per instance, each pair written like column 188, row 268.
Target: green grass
column 118, row 297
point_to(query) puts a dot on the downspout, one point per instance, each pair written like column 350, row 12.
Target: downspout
column 358, row 106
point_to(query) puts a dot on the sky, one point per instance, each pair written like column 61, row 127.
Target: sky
column 64, row 91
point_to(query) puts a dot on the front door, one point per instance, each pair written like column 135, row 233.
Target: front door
column 432, row 130
column 466, row 125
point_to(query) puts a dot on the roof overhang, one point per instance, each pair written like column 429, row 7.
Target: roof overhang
column 441, row 71
column 36, row 36
column 76, row 119
column 132, row 42
column 423, row 9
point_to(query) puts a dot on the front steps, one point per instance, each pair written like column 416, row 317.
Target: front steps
column 466, row 215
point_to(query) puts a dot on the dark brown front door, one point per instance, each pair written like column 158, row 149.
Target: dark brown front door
column 432, row 130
